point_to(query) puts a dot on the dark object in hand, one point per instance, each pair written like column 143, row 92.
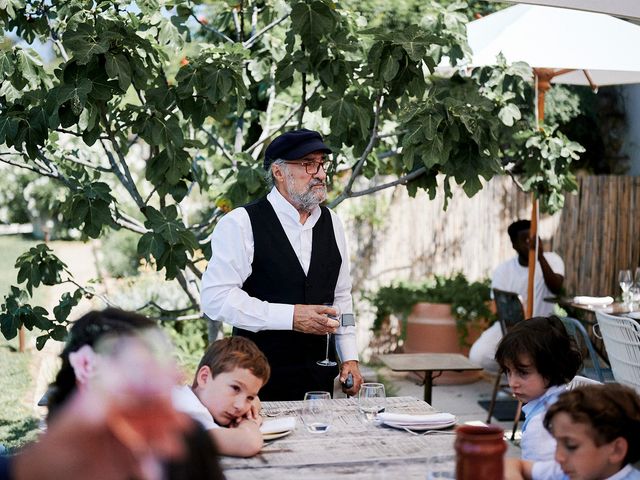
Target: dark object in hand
column 348, row 320
column 348, row 383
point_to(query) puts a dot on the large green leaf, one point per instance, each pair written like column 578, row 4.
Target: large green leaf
column 6, row 63
column 30, row 67
column 312, row 20
column 83, row 42
column 117, row 66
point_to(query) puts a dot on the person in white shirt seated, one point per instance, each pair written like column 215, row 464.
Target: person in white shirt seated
column 597, row 431
column 224, row 393
column 513, row 276
column 539, row 358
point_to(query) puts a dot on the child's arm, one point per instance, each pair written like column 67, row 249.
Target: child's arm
column 245, row 440
column 517, row 469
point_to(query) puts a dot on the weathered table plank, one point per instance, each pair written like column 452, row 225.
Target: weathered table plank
column 351, row 449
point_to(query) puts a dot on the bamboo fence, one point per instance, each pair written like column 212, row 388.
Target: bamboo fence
column 599, row 233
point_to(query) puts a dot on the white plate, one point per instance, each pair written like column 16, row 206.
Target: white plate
column 420, row 427
column 273, row 436
column 634, row 315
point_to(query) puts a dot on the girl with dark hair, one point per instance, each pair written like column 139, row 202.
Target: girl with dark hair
column 78, row 353
column 539, row 358
column 79, row 360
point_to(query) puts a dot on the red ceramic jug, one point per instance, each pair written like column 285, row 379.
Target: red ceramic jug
column 479, row 452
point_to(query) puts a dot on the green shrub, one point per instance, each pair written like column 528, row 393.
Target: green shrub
column 469, row 300
column 119, row 254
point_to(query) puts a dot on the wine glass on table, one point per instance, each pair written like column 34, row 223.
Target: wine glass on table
column 624, row 278
column 372, row 400
column 316, row 411
column 326, row 362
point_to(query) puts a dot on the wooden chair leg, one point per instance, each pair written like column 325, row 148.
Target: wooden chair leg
column 516, row 421
column 494, row 395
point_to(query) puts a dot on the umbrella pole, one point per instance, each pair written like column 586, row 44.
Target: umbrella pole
column 543, row 78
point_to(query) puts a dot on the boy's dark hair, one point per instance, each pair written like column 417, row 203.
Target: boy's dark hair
column 545, row 340
column 517, row 227
column 87, row 330
column 612, row 410
column 235, row 352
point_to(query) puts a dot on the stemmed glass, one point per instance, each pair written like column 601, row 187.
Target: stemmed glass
column 624, row 277
column 372, row 400
column 326, row 362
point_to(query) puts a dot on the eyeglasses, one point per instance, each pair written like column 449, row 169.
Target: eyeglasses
column 313, row 168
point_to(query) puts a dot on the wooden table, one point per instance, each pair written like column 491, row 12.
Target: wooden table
column 352, row 449
column 428, row 363
column 615, row 308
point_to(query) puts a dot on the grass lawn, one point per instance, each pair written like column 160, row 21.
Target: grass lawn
column 17, row 421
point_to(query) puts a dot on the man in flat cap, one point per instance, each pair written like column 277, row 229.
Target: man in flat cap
column 278, row 265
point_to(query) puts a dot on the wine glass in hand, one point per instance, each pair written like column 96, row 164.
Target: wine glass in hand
column 326, row 362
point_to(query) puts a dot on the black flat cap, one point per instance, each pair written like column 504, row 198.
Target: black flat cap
column 293, row 145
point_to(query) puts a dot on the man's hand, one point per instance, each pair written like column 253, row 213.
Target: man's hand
column 314, row 319
column 351, row 366
column 254, row 411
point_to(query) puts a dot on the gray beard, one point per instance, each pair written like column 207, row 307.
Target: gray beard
column 307, row 200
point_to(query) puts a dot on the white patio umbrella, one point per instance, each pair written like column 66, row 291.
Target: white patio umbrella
column 620, row 8
column 563, row 46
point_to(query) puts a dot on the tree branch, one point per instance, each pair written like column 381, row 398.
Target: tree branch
column 194, row 269
column 100, row 168
column 369, row 148
column 237, row 23
column 93, row 293
column 227, row 155
column 53, row 168
column 266, row 134
column 26, row 166
column 400, row 181
column 303, row 105
column 186, row 287
column 346, row 193
column 211, row 29
column 251, row 40
column 128, row 222
column 75, row 134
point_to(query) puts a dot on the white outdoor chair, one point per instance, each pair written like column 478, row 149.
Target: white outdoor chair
column 580, row 381
column 621, row 336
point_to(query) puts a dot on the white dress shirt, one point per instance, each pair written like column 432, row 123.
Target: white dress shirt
column 230, row 265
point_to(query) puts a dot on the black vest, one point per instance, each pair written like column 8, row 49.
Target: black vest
column 277, row 277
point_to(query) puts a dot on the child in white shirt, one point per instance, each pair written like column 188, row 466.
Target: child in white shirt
column 224, row 393
column 539, row 358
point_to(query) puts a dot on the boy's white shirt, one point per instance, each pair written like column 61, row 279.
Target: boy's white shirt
column 550, row 470
column 184, row 400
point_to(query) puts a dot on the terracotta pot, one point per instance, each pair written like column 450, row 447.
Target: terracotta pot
column 432, row 328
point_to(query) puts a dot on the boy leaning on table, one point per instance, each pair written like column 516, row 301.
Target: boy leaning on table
column 224, row 393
